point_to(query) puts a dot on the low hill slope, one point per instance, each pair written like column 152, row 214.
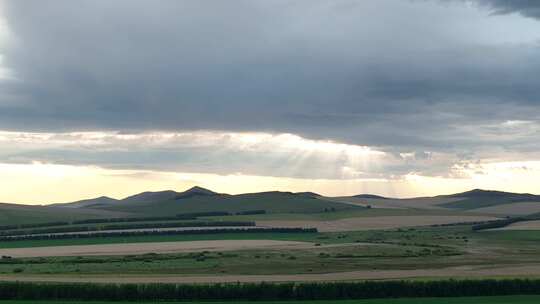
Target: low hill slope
column 88, row 203
column 478, row 198
column 12, row 214
column 271, row 202
column 431, row 203
column 149, row 196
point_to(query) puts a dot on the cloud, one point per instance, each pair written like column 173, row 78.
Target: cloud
column 225, row 153
column 437, row 77
column 528, row 8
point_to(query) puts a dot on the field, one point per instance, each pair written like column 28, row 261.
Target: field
column 173, row 241
column 468, row 300
column 428, row 252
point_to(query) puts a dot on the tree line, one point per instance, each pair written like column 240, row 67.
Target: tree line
column 68, row 229
column 266, row 291
column 505, row 222
column 181, row 216
column 36, row 225
column 247, row 229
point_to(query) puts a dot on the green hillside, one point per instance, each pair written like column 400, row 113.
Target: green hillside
column 483, row 198
column 271, row 202
column 11, row 214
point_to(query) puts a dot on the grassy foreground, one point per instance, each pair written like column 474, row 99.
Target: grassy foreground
column 398, row 249
column 468, row 300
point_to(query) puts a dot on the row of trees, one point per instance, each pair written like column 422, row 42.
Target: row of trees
column 181, row 216
column 154, row 232
column 497, row 223
column 66, row 229
column 266, row 291
column 505, row 222
column 35, row 225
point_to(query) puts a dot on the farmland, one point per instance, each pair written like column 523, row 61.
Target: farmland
column 229, row 239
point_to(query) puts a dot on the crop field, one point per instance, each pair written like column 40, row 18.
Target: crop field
column 397, row 253
column 350, row 244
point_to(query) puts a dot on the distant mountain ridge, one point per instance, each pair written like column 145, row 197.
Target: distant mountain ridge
column 143, row 197
column 468, row 200
column 198, row 199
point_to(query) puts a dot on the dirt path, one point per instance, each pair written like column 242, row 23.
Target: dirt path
column 159, row 247
column 454, row 272
column 376, row 222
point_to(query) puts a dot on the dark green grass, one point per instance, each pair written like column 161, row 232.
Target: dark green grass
column 467, row 300
column 393, row 249
column 442, row 235
column 511, row 236
column 257, row 262
column 25, row 214
column 413, row 248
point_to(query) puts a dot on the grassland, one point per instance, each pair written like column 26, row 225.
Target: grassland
column 397, row 249
column 460, row 300
column 405, row 250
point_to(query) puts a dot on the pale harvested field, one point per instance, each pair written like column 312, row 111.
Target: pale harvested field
column 511, row 209
column 159, row 247
column 454, row 272
column 377, row 222
column 528, row 225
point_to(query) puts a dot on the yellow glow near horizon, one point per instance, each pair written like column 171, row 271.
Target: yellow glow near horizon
column 42, row 182
column 45, row 183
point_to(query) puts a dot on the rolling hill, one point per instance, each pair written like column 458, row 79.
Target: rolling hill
column 478, row 198
column 18, row 214
column 199, row 200
column 88, row 203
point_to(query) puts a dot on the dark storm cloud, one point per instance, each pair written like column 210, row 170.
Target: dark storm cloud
column 528, row 8
column 401, row 75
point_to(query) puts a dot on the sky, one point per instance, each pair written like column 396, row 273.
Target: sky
column 399, row 98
